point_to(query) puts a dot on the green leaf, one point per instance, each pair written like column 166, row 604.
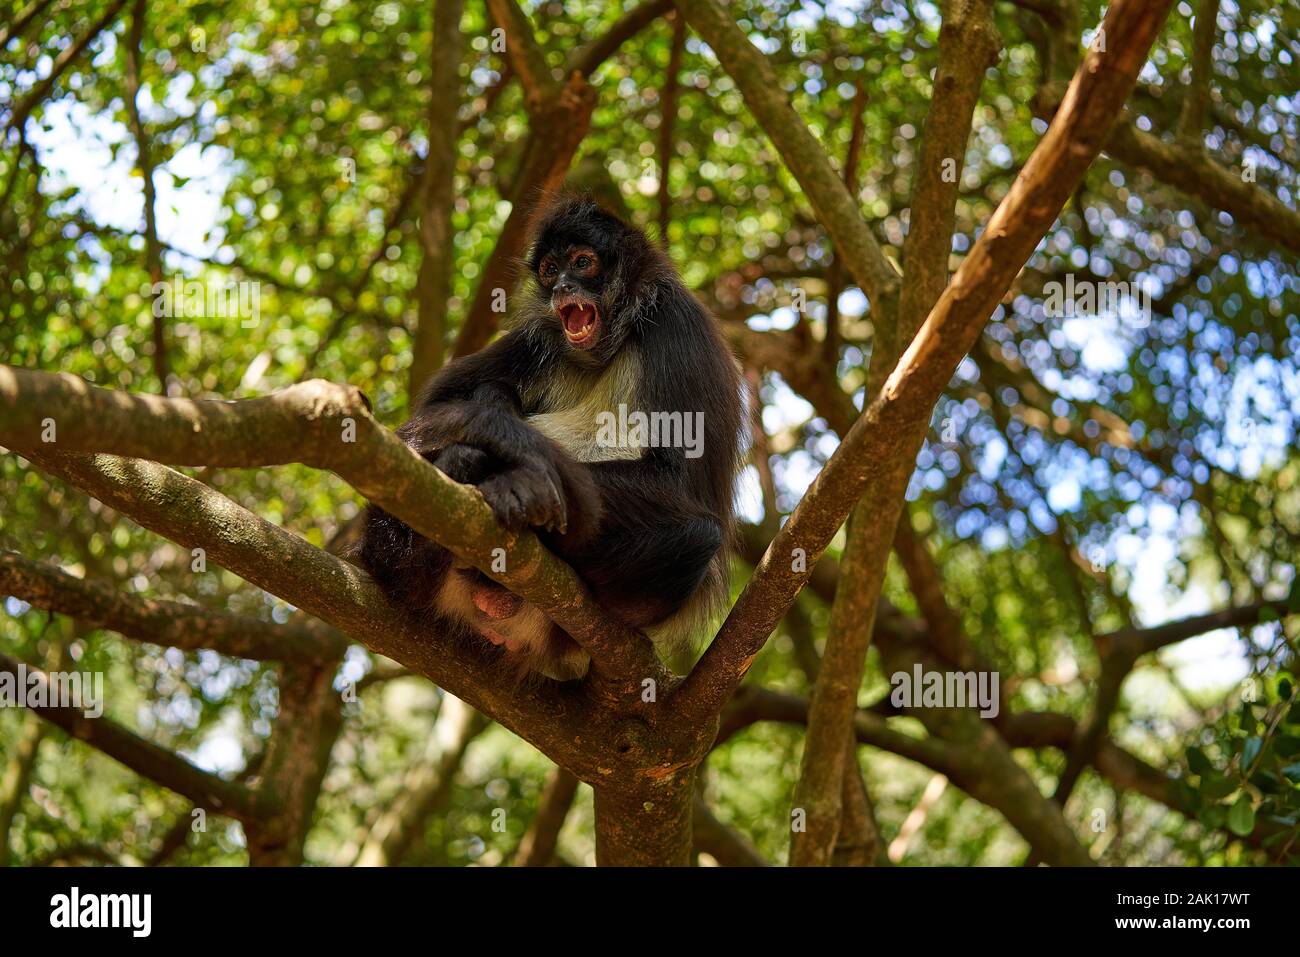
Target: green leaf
column 1215, row 786
column 1292, row 772
column 1241, row 817
column 1198, row 762
column 1247, row 717
column 1187, row 794
column 1213, row 816
column 1266, row 781
column 1250, row 751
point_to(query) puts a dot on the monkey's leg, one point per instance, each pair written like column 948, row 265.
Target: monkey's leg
column 645, row 573
column 654, row 546
column 407, row 566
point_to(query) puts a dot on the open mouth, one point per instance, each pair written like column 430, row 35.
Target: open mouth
column 581, row 323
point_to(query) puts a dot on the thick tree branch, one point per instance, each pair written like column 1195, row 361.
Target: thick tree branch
column 892, row 427
column 325, row 426
column 968, row 46
column 968, row 43
column 527, row 59
column 858, row 842
column 551, row 716
column 293, row 766
column 433, row 285
column 169, row 623
column 557, row 130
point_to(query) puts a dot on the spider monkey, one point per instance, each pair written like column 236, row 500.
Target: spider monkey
column 606, row 330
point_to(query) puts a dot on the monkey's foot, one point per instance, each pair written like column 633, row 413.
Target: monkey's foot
column 493, row 600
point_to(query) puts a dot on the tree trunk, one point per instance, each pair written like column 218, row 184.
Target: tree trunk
column 646, row 826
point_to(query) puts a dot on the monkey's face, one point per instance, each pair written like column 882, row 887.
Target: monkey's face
column 573, row 275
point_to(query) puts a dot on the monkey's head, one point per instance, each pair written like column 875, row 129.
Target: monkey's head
column 592, row 270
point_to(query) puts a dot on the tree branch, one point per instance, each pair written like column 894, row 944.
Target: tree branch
column 589, row 57
column 893, row 425
column 1044, row 729
column 1195, row 173
column 527, row 59
column 537, row 849
column 557, row 130
column 433, row 285
column 968, row 46
column 724, row 844
column 668, row 121
column 1192, row 118
column 21, row 21
column 146, row 758
column 975, row 758
column 550, row 716
column 803, row 155
column 1142, row 641
column 426, row 787
column 64, row 60
column 169, row 623
column 324, row 426
column 968, row 41
column 152, row 247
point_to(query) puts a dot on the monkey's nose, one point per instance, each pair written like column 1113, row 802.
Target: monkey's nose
column 564, row 286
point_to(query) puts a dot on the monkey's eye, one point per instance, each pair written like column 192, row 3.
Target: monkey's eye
column 548, row 269
column 582, row 262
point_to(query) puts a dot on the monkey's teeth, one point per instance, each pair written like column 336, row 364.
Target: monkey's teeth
column 580, row 322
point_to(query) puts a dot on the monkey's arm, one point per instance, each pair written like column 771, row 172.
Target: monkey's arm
column 470, row 424
column 468, row 393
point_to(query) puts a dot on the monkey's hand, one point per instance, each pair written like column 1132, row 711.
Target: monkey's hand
column 523, row 476
column 528, row 494
column 524, row 494
column 463, row 463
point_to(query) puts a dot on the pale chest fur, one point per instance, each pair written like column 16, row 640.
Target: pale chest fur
column 575, row 403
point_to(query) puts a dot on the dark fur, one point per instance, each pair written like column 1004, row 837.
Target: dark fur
column 642, row 534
